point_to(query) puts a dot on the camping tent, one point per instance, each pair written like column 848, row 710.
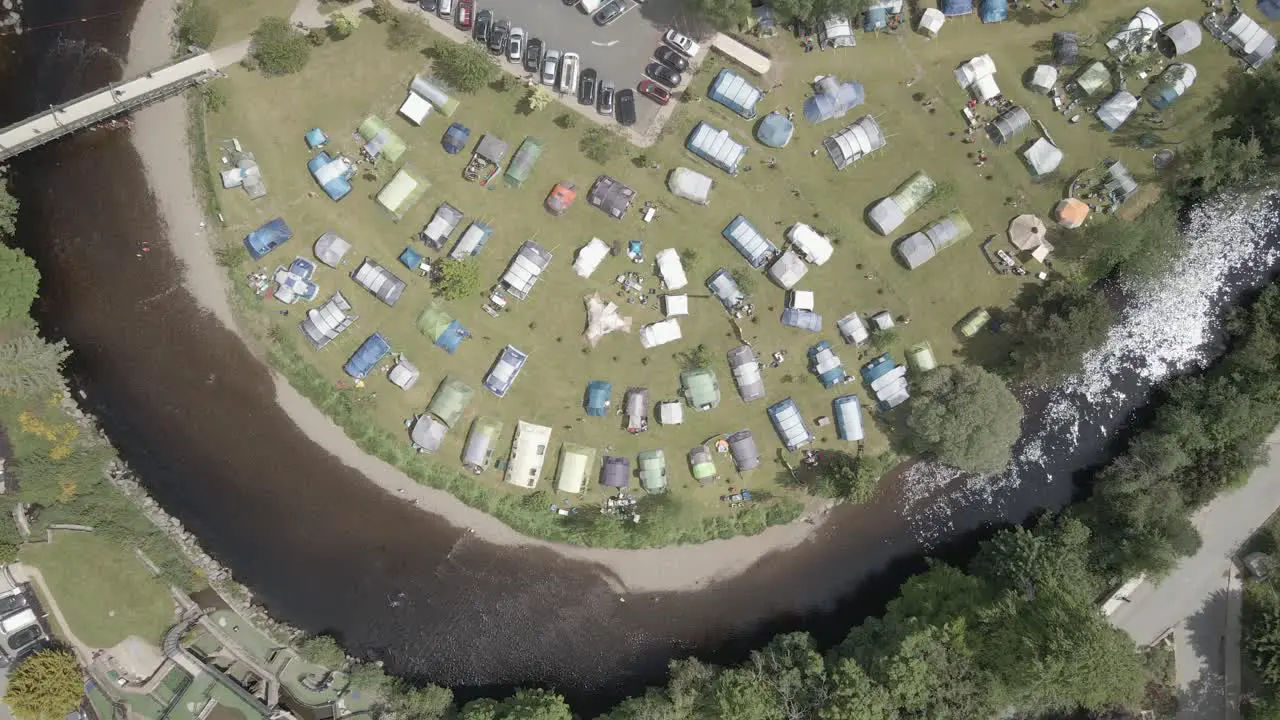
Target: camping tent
column 472, row 241
column 1042, row 157
column 1120, row 185
column 330, row 249
column 451, row 400
column 525, row 269
column 716, row 147
column 725, row 288
column 1071, row 212
column 994, row 11
column 1171, row 85
column 367, row 356
column 775, row 130
column 652, row 465
column 836, row 32
column 332, row 174
column 615, row 472
column 1093, row 79
column 1042, row 78
column 1180, row 38
column 832, row 99
column 415, row 108
column 931, row 21
column 1066, row 48
column 742, row 447
column 482, row 441
column 445, row 220
column 636, row 406
column 589, row 257
column 700, row 388
column 575, row 461
column 435, row 95
column 826, row 364
column 1026, row 232
column 734, row 92
column 810, row 244
column 455, row 138
column 745, row 367
column 380, row 140
column 602, row 319
column 316, row 138
column 378, row 280
column 670, row 269
column 746, row 239
column 920, row 357
column 690, row 185
column 787, row 270
column 801, row 319
column 1116, row 109
column 875, row 19
column 427, row 433
column 326, row 322
column 401, row 192
column 598, row 399
column 441, row 329
column 854, row 142
column 915, row 250
column 675, row 305
column 956, row 7
column 853, row 329
column 522, row 164
column 1009, row 124
column 404, row 374
column 948, row 230
column 660, row 333
column 271, row 235
column 702, row 465
column 492, row 148
column 985, row 88
column 611, row 196
column 848, row 413
column 886, row 215
column 974, row 69
column 1246, row 37
column 789, row 424
column 1134, row 36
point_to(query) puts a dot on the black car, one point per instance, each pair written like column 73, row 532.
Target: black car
column 533, row 55
column 663, row 74
column 604, row 100
column 671, row 58
column 626, row 112
column 484, row 22
column 498, row 37
column 430, row 5
column 587, row 87
column 609, row 13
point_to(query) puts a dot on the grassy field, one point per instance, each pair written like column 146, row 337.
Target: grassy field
column 103, row 589
column 237, row 19
column 356, row 77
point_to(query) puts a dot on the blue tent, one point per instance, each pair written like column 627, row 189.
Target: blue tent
column 995, row 11
column 316, row 138
column 775, row 130
column 267, row 238
column 878, row 368
column 332, row 174
column 832, row 100
column 598, row 394
column 452, row 337
column 802, row 319
column 411, row 258
column 875, row 19
column 956, row 7
column 455, row 138
column 367, row 356
column 1270, row 8
column 824, row 363
column 734, row 92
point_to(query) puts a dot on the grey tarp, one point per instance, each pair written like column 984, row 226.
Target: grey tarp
column 1116, row 110
column 330, row 249
column 1181, row 38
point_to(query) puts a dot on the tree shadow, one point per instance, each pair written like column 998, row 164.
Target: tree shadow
column 1204, row 634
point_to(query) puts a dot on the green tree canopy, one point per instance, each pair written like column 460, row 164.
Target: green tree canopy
column 465, row 66
column 1140, row 247
column 19, row 284
column 29, row 366
column 1053, row 326
column 457, row 279
column 536, row 704
column 368, row 677
column 538, row 97
column 322, row 650
column 343, row 23
column 430, row 702
column 842, row 475
column 966, row 416
column 46, row 685
column 600, row 143
column 8, row 211
column 197, row 23
column 278, row 48
column 724, row 14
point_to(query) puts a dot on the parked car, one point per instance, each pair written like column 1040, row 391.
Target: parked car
column 515, row 45
column 683, row 43
column 587, row 87
column 484, row 22
column 504, row 371
column 466, row 14
column 550, row 67
column 533, row 55
column 498, row 37
column 445, row 10
column 663, row 74
column 429, row 5
column 671, row 58
column 654, row 92
column 604, row 103
column 569, row 72
column 626, row 112
column 609, row 13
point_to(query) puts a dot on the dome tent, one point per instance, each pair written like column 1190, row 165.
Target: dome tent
column 1042, row 78
column 331, row 248
column 832, row 99
column 1042, row 157
column 1172, row 84
column 1071, row 212
column 1116, row 110
column 775, row 130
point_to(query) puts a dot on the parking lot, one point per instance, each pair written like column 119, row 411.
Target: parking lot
column 618, row 52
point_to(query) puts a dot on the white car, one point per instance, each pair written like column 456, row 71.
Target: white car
column 550, row 66
column 569, row 73
column 682, row 43
column 445, row 9
column 515, row 45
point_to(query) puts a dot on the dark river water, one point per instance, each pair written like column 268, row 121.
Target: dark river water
column 192, row 411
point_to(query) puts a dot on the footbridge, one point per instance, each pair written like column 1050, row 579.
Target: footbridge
column 117, row 98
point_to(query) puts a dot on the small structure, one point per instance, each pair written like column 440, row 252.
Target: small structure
column 848, row 414
column 611, row 196
column 660, row 333
column 379, row 281
column 700, row 388
column 717, row 147
column 446, row 219
column 525, row 269
column 853, row 329
column 993, row 11
column 1071, row 212
column 951, row 8
column 615, row 472
column 832, row 99
column 734, row 92
column 690, row 185
column 920, row 357
column 826, row 364
column 599, row 397
column 1179, row 38
column 575, row 462
column 415, row 261
column 506, row 368
column 675, row 305
column 1093, row 79
column 854, row 142
column 427, row 433
column 492, row 149
column 725, row 288
column 670, row 269
column 775, row 130
column 739, row 53
column 1026, row 232
column 266, row 238
column 602, row 319
column 367, row 356
column 522, row 164
column 295, row 282
column 450, row 400
column 882, row 320
column 789, row 424
column 636, row 405
column 380, row 140
column 403, row 374
column 332, row 174
column 1115, row 111
column 1042, row 79
column 811, row 245
column 528, row 454
column 745, row 367
column 1066, row 48
column 1008, row 125
column 787, row 270
column 702, row 465
column 472, row 241
column 434, row 94
column 455, row 138
column 330, row 249
column 246, row 174
column 748, row 240
column 802, row 319
column 316, row 139
column 481, row 444
column 743, row 450
column 1041, row 157
column 973, row 70
column 441, row 328
column 1120, row 184
column 836, row 32
column 670, row 412
column 327, row 322
column 931, row 21
column 1172, row 84
column 589, row 257
column 402, row 192
column 415, row 108
column 652, row 465
column 802, row 299
column 890, row 212
column 887, row 381
column 974, row 321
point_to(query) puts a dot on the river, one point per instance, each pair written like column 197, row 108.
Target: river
column 192, row 411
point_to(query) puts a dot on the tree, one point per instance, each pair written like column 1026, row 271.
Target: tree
column 407, row 31
column 538, row 98
column 966, row 416
column 791, row 668
column 855, row 696
column 534, row 704
column 601, row 144
column 794, row 9
column 1052, row 555
column 277, row 48
column 322, row 650
column 343, row 23
column 214, row 94
column 740, row 694
column 1143, row 246
column 849, row 8
column 420, row 703
column 368, row 677
column 19, row 284
column 466, row 66
column 1052, row 327
column 315, row 36
column 29, row 366
column 695, row 358
column 8, row 210
column 933, row 675
column 724, row 14
column 883, row 339
column 46, row 685
column 457, row 279
column 855, row 478
column 382, row 10
column 197, row 23
column 1219, row 163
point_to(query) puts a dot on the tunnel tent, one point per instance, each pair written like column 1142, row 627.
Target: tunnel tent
column 889, row 213
column 482, row 441
column 1042, row 78
column 848, row 413
column 854, row 142
column 734, row 92
column 472, row 241
column 702, row 466
column 743, row 450
column 749, row 241
column 717, row 147
column 435, row 94
column 1171, row 84
column 690, row 185
column 450, row 400
column 527, row 265
column 1066, row 48
column 993, row 11
column 380, row 140
column 522, row 164
column 1093, row 79
column 323, row 324
column 402, row 192
column 615, row 472
column 1115, row 111
column 915, row 250
column 931, row 21
column 379, row 281
column 836, row 32
column 775, row 130
column 832, row 99
column 948, row 230
column 1009, row 125
column 575, row 461
column 331, row 248
column 1180, row 38
column 1041, row 157
column 789, row 424
column 427, row 433
column 951, row 8
column 1254, row 44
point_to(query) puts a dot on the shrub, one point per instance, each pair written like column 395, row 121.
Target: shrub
column 466, row 67
column 278, row 48
column 601, row 144
column 197, row 23
column 406, row 31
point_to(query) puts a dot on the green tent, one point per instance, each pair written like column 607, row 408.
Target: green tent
column 702, row 465
column 451, row 399
column 434, row 321
column 653, row 470
column 974, row 321
column 522, row 164
column 920, row 357
column 914, row 192
column 1093, row 79
column 402, row 192
column 380, row 139
column 700, row 388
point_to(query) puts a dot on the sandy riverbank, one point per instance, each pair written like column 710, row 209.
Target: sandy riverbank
column 159, row 135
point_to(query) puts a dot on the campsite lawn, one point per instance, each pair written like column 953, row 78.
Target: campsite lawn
column 350, row 79
column 102, row 588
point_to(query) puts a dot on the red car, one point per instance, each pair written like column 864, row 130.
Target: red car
column 466, row 13
column 654, row 92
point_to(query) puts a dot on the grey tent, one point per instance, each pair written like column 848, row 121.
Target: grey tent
column 326, row 322
column 611, row 196
column 948, row 230
column 492, row 148
column 1093, row 79
column 1066, row 48
column 742, row 446
column 481, row 443
column 1008, row 125
column 615, row 472
column 427, row 433
column 745, row 367
column 331, row 248
column 378, row 280
column 915, row 250
column 787, row 270
column 802, row 319
column 1115, row 111
column 525, row 269
column 854, row 142
column 442, row 225
column 886, row 215
column 1120, row 185
column 832, row 99
column 1244, row 35
column 1042, row 157
column 1180, row 38
column 1042, row 78
column 724, row 287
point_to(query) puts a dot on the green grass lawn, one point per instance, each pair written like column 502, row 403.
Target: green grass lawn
column 353, row 78
column 237, row 19
column 103, row 589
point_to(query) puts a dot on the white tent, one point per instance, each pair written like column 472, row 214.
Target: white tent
column 690, row 185
column 1140, row 29
column 854, row 142
column 403, row 374
column 670, row 269
column 810, row 244
column 525, row 269
column 1042, row 157
column 590, row 257
column 1183, row 37
column 970, row 72
column 836, row 32
column 602, row 319
column 1246, row 37
column 853, row 328
column 931, row 21
column 660, row 333
column 985, row 88
column 787, row 270
column 415, row 108
column 801, row 300
column 676, row 305
column 331, row 248
column 670, row 412
column 1116, row 110
column 1042, row 78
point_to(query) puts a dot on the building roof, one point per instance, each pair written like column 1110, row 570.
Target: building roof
column 525, row 269
column 653, row 470
column 451, row 399
column 700, row 388
column 611, row 196
column 528, row 454
column 735, row 92
column 789, row 424
column 747, row 375
column 748, row 240
column 378, row 280
column 743, row 450
column 854, row 142
column 326, row 322
column 575, row 462
column 716, row 146
column 670, row 269
column 787, row 270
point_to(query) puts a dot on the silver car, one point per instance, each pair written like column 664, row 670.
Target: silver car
column 515, row 45
column 550, row 67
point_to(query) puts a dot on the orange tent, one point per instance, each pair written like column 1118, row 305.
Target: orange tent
column 1071, row 212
